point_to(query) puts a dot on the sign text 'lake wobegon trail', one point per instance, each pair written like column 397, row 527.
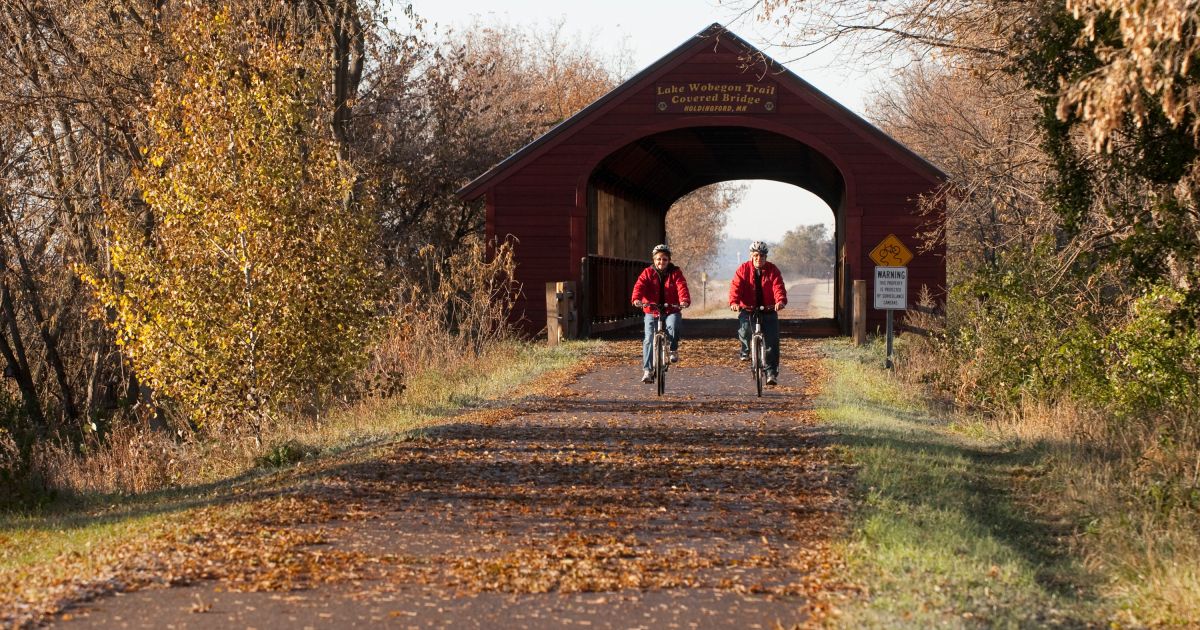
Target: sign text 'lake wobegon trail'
column 702, row 97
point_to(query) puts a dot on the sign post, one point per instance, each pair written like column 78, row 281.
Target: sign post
column 891, row 294
column 891, row 283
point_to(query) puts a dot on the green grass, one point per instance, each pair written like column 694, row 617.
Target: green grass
column 943, row 536
column 32, row 541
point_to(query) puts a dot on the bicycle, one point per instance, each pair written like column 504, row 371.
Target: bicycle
column 660, row 346
column 758, row 349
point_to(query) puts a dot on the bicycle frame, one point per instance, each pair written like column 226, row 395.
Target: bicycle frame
column 659, row 348
column 758, row 349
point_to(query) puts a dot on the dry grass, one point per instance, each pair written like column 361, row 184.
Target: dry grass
column 1128, row 489
column 131, row 459
column 134, row 459
column 1135, row 501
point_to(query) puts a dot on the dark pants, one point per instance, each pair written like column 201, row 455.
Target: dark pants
column 770, row 331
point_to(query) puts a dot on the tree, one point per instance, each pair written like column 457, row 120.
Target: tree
column 441, row 113
column 696, row 224
column 806, row 250
column 74, row 74
column 244, row 282
column 1121, row 96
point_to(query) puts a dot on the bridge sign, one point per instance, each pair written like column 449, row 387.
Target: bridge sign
column 890, row 252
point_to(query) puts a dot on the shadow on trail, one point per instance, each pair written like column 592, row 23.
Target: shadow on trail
column 768, row 403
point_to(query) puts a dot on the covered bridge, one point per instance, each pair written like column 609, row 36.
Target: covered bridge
column 588, row 200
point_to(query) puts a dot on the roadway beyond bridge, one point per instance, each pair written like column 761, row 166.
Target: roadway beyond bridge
column 587, row 501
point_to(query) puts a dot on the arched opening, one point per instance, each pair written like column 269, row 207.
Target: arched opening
column 631, row 190
column 797, row 225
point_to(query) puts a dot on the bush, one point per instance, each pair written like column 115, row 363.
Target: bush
column 1009, row 328
column 286, row 454
column 1152, row 362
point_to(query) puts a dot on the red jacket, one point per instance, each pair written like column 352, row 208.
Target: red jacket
column 741, row 289
column 647, row 286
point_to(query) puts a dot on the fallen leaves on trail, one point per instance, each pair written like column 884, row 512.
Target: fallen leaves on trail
column 575, row 563
column 584, row 484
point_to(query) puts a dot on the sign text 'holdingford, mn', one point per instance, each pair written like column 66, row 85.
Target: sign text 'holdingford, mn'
column 706, row 97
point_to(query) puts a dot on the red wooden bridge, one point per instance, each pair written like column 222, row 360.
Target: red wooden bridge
column 588, row 199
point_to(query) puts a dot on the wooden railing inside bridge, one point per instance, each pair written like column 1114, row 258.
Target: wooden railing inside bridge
column 607, row 289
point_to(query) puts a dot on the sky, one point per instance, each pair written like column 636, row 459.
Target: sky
column 649, row 29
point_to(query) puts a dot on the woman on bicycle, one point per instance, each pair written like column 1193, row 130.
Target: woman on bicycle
column 661, row 282
column 759, row 283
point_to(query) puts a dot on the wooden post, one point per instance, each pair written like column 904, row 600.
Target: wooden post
column 562, row 320
column 567, row 302
column 553, row 324
column 860, row 312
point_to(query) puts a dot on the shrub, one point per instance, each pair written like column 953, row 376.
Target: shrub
column 286, row 454
column 1152, row 362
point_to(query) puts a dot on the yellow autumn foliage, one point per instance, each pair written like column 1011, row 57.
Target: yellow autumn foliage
column 245, row 284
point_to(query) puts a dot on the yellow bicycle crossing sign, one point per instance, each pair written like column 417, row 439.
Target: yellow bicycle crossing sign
column 890, row 252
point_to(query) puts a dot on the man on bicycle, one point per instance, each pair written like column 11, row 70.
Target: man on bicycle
column 661, row 282
column 759, row 283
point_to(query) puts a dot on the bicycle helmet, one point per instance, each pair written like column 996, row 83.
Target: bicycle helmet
column 660, row 248
column 758, row 246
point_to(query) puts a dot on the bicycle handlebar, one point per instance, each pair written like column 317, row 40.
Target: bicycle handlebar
column 657, row 306
column 757, row 308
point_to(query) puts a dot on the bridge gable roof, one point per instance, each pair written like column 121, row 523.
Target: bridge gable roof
column 714, row 36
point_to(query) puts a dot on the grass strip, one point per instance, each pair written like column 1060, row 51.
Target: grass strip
column 943, row 536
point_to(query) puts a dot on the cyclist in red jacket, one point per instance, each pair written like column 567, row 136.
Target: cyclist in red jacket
column 660, row 280
column 759, row 283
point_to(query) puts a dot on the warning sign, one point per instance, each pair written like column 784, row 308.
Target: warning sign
column 890, row 252
column 891, row 288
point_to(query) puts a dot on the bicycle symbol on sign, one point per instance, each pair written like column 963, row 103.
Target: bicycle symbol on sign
column 891, row 252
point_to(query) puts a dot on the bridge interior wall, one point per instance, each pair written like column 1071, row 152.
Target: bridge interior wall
column 623, row 225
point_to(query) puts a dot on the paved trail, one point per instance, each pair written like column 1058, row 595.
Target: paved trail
column 808, row 298
column 589, row 503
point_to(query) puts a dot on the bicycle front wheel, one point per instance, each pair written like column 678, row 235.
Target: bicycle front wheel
column 660, row 362
column 756, row 364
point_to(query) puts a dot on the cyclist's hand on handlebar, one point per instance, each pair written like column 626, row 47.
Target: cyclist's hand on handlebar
column 734, row 307
column 637, row 303
column 685, row 305
column 779, row 306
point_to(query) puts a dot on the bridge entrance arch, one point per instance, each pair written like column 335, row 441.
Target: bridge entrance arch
column 588, row 199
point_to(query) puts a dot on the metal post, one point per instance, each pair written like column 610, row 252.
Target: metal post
column 887, row 363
